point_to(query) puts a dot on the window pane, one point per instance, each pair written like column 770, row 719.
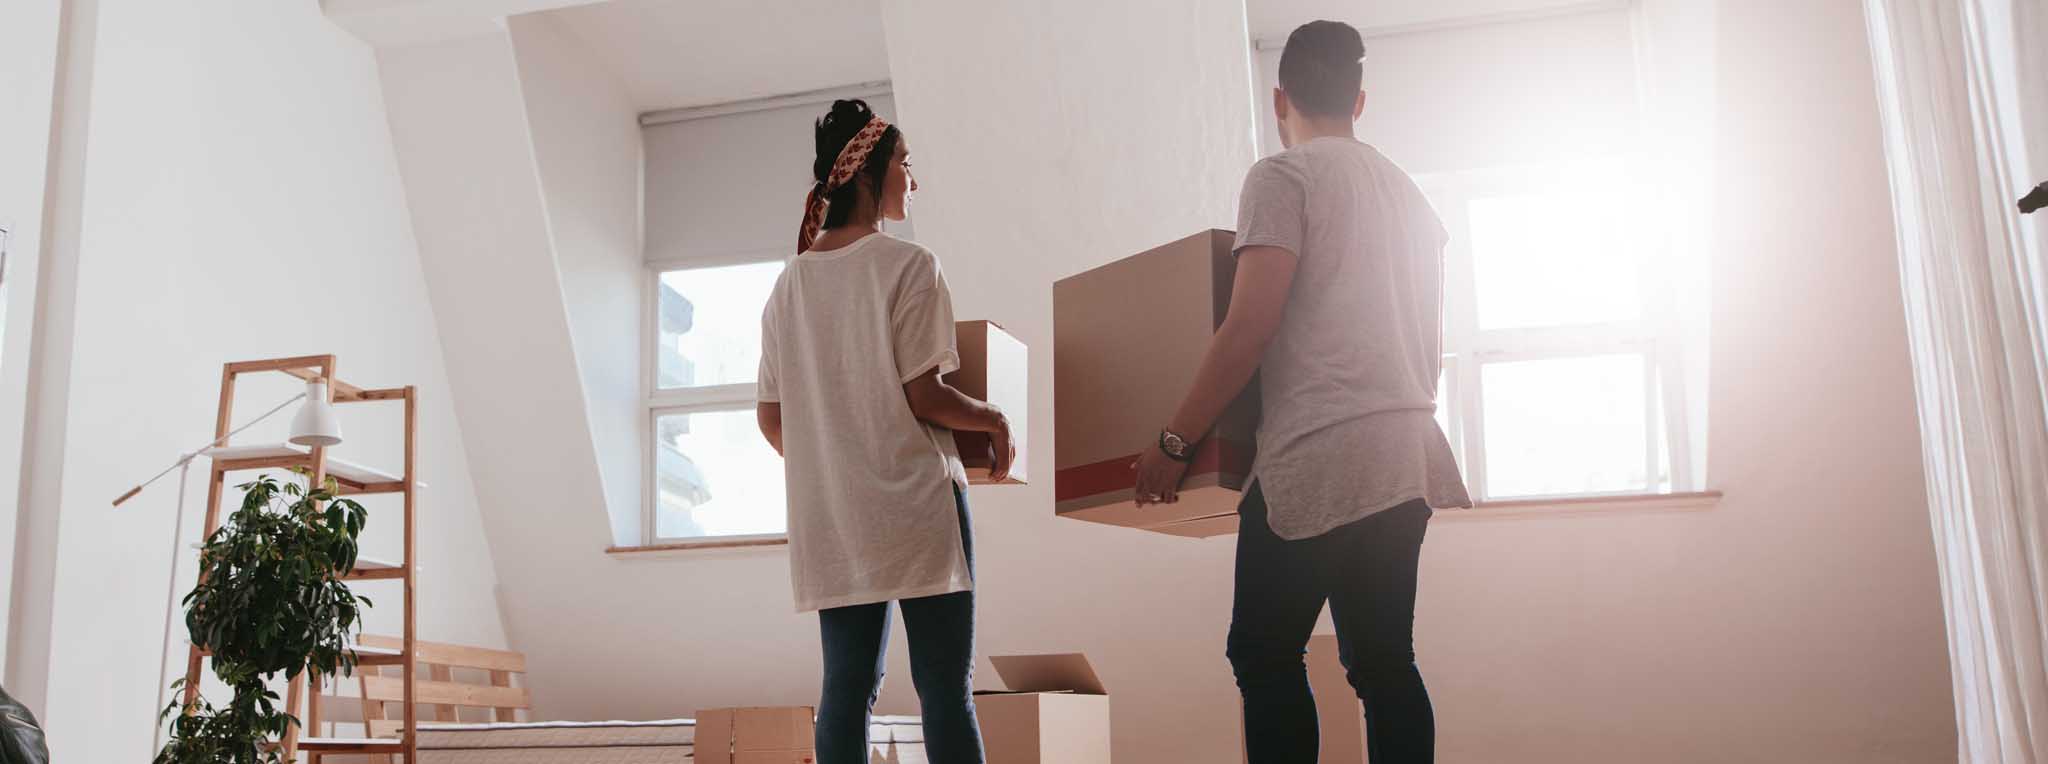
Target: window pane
column 1445, row 399
column 711, row 324
column 715, row 476
column 1567, row 426
column 1559, row 257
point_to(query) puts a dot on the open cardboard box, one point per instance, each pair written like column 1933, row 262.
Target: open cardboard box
column 1055, row 712
column 996, row 368
column 760, row 735
column 1127, row 340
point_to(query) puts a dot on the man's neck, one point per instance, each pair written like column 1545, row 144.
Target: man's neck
column 1324, row 127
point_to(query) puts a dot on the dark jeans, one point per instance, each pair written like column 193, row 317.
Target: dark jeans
column 1366, row 570
column 941, row 632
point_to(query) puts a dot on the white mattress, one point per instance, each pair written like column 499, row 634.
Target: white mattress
column 895, row 739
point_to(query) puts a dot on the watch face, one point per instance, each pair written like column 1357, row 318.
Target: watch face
column 1175, row 444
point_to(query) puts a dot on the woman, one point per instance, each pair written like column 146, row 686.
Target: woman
column 853, row 341
column 1337, row 306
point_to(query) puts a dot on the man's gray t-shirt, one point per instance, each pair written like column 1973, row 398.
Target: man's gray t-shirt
column 1349, row 381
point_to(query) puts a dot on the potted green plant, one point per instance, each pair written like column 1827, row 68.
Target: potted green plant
column 270, row 599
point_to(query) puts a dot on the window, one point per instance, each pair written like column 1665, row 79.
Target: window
column 1561, row 352
column 711, row 474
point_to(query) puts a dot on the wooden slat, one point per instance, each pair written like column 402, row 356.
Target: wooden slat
column 379, row 659
column 222, row 424
column 441, row 673
column 365, row 655
column 373, row 574
column 352, row 488
column 350, row 745
column 316, row 687
column 503, row 679
column 388, row 689
column 458, row 656
column 343, row 391
column 264, row 463
column 392, row 728
column 291, row 706
column 410, row 710
column 279, row 364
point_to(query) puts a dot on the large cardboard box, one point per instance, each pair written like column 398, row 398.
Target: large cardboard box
column 1127, row 340
column 994, row 367
column 769, row 735
column 1055, row 712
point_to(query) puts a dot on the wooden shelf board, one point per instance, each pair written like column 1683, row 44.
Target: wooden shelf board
column 365, row 655
column 354, row 478
column 350, row 745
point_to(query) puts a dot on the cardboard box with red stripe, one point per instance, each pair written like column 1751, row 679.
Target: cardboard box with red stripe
column 1127, row 340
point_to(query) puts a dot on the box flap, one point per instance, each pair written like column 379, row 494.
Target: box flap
column 1065, row 672
column 712, row 740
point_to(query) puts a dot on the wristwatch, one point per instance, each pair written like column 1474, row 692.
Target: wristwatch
column 1176, row 447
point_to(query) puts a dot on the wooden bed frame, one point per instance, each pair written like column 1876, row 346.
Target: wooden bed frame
column 441, row 695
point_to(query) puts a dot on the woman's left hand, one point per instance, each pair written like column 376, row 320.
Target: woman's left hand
column 1159, row 477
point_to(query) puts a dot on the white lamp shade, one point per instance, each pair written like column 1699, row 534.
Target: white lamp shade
column 315, row 424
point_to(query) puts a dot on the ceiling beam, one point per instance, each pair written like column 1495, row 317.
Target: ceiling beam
column 394, row 23
column 1461, row 22
column 806, row 98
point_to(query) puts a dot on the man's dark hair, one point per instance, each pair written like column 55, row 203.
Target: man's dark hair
column 1321, row 68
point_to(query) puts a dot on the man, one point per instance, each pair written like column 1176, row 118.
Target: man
column 1337, row 303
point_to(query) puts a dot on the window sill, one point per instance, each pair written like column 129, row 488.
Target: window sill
column 1585, row 505
column 749, row 542
column 1491, row 510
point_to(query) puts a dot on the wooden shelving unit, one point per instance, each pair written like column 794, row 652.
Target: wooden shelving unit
column 353, row 480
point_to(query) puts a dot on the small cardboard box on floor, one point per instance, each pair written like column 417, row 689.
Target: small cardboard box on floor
column 995, row 368
column 773, row 735
column 1054, row 712
column 1127, row 340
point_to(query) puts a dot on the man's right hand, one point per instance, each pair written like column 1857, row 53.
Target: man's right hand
column 1005, row 446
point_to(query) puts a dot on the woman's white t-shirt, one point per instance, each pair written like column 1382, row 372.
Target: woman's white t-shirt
column 872, row 513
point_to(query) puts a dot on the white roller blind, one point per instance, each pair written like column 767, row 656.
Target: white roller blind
column 732, row 186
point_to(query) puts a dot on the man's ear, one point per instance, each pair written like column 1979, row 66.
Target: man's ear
column 1358, row 106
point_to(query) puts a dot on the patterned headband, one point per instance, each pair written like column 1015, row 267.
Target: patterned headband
column 851, row 158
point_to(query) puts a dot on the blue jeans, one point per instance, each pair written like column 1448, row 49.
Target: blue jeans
column 1366, row 570
column 941, row 632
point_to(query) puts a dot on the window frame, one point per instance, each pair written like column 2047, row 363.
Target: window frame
column 704, row 399
column 1654, row 335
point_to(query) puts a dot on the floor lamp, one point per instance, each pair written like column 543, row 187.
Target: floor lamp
column 313, row 425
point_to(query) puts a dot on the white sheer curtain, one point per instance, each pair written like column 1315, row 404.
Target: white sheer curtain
column 1962, row 85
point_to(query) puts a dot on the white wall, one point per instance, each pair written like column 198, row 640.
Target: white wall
column 586, row 146
column 1796, row 621
column 239, row 199
column 28, row 73
column 1054, row 137
column 459, row 121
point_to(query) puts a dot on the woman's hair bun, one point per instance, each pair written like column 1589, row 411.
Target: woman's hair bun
column 835, row 129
